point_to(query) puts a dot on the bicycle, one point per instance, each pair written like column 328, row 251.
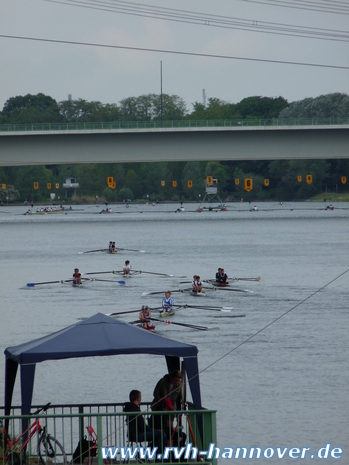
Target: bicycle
column 48, row 446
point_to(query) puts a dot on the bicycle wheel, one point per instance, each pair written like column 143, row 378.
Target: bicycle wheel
column 13, row 459
column 51, row 451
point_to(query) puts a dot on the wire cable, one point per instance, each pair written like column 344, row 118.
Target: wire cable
column 253, row 335
column 274, row 321
column 217, row 21
column 322, row 6
column 174, row 52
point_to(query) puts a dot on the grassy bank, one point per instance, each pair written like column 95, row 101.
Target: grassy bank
column 331, row 197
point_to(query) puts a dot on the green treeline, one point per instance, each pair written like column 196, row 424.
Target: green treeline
column 139, row 180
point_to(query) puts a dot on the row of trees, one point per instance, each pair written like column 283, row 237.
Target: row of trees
column 41, row 108
column 145, row 180
column 137, row 181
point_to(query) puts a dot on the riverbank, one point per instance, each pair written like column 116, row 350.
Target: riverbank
column 323, row 197
column 331, row 197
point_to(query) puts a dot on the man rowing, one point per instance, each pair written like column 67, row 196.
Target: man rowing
column 167, row 302
column 77, row 276
column 110, row 246
column 126, row 270
column 221, row 277
column 144, row 316
column 197, row 284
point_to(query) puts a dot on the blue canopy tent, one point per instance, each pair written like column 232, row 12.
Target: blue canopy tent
column 98, row 335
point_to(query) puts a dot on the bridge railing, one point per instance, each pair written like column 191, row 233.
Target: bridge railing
column 68, row 424
column 132, row 125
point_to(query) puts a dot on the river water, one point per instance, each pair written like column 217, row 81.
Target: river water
column 287, row 386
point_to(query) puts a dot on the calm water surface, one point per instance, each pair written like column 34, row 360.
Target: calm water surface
column 288, row 386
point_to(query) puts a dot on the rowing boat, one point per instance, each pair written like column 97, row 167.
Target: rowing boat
column 217, row 283
column 71, row 281
column 165, row 314
column 197, row 294
column 150, row 328
column 45, row 213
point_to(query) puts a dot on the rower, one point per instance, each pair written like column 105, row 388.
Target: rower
column 197, row 284
column 127, row 268
column 110, row 246
column 218, row 280
column 113, row 247
column 223, row 277
column 77, row 276
column 194, row 283
column 167, row 302
column 144, row 316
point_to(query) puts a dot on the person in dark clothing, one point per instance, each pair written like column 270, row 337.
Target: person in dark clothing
column 174, row 434
column 168, row 386
column 223, row 277
column 77, row 276
column 138, row 430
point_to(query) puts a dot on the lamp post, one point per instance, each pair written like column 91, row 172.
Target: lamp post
column 161, row 92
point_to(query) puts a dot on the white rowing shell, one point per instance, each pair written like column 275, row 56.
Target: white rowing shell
column 197, row 294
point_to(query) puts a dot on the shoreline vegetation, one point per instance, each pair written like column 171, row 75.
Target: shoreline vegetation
column 276, row 180
column 324, row 197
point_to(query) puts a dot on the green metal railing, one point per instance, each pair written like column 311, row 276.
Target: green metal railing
column 132, row 125
column 68, row 424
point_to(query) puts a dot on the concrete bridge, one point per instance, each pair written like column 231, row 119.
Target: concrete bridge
column 125, row 145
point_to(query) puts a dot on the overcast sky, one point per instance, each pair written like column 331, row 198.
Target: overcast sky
column 110, row 74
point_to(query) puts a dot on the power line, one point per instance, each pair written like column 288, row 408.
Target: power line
column 175, row 52
column 274, row 321
column 217, row 21
column 322, row 6
column 260, row 331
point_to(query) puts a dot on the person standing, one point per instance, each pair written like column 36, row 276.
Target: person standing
column 168, row 387
column 167, row 302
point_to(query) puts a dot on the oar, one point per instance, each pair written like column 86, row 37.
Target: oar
column 163, row 292
column 132, row 311
column 122, row 283
column 206, row 307
column 109, row 272
column 98, row 272
column 91, row 251
column 168, row 322
column 160, row 274
column 230, row 316
column 123, row 313
column 130, row 250
column 46, row 282
column 246, row 279
column 232, row 289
